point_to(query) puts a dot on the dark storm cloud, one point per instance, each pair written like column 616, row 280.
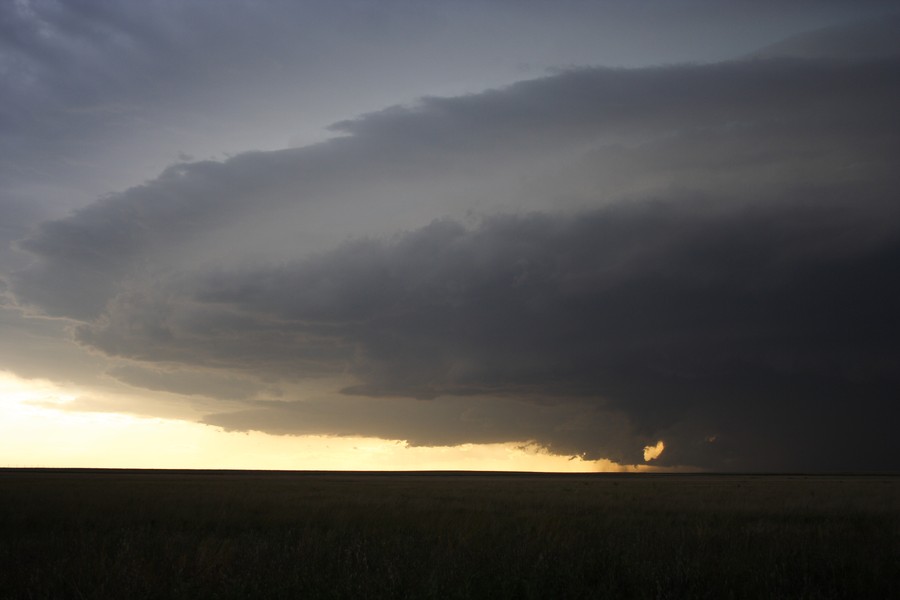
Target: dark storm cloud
column 187, row 382
column 563, row 428
column 716, row 128
column 707, row 251
column 92, row 251
column 162, row 326
column 587, row 106
column 662, row 312
column 854, row 42
column 692, row 324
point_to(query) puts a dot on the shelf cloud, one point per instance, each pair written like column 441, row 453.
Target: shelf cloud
column 593, row 260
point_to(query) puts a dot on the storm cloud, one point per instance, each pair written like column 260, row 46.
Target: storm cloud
column 592, row 260
column 662, row 313
column 575, row 140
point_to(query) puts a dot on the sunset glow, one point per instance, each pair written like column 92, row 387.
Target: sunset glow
column 38, row 430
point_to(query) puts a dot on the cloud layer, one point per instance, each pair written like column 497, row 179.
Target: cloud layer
column 593, row 260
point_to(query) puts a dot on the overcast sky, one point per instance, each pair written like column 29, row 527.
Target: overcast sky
column 584, row 227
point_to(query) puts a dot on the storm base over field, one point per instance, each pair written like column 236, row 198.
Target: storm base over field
column 336, row 221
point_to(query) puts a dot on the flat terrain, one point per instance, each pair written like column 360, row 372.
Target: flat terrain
column 184, row 534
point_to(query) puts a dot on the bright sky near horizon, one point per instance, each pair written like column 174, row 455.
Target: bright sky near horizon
column 568, row 236
column 38, row 431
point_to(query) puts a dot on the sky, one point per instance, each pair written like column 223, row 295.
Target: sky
column 547, row 236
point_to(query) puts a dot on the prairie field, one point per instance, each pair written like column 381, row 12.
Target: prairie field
column 233, row 534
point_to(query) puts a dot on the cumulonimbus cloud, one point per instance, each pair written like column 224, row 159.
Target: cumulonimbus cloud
column 706, row 250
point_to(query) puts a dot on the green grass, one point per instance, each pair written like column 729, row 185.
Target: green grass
column 157, row 534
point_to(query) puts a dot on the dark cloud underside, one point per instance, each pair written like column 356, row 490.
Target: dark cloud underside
column 660, row 312
column 594, row 260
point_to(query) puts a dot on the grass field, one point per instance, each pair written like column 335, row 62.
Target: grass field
column 169, row 534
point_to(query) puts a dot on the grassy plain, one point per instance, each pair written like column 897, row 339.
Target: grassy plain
column 171, row 534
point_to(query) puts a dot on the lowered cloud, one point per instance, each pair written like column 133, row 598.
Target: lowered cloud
column 661, row 312
column 702, row 254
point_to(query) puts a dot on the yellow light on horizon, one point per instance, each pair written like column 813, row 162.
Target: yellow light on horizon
column 39, row 428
